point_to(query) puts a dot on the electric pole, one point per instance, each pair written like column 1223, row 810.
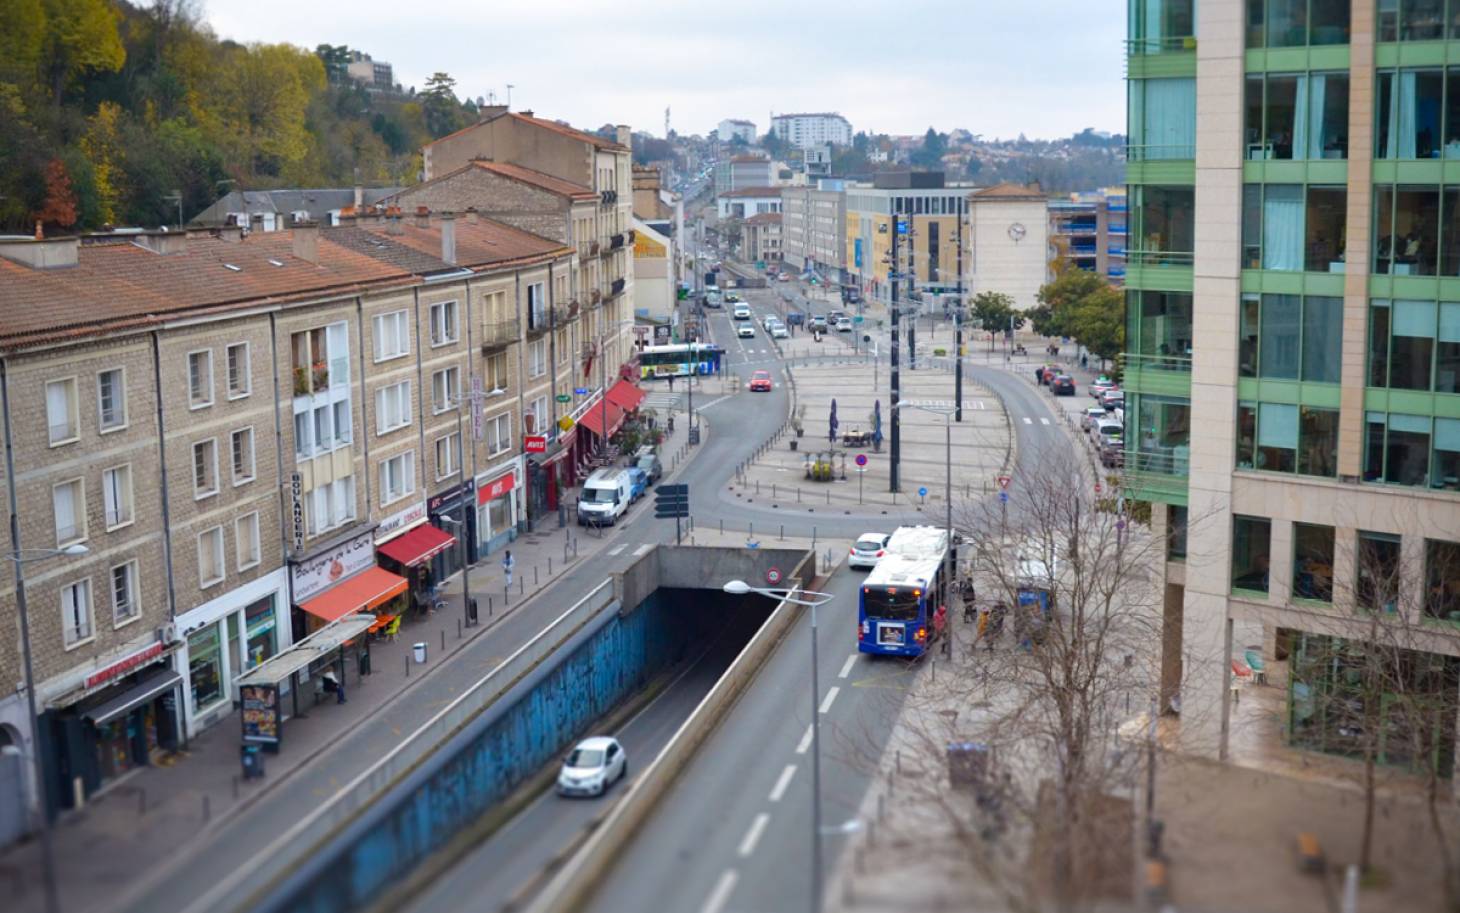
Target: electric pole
column 895, row 437
column 958, row 325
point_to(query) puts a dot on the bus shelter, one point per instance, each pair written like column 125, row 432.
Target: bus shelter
column 262, row 690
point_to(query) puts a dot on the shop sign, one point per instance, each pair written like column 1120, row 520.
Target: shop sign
column 450, row 496
column 535, row 443
column 400, row 521
column 260, row 713
column 497, row 488
column 314, row 575
column 126, row 664
column 296, row 506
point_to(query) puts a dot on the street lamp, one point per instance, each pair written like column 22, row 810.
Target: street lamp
column 946, row 410
column 741, row 588
column 18, row 556
column 458, row 400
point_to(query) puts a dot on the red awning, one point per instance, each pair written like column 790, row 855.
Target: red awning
column 365, row 590
column 593, row 419
column 418, row 545
column 625, row 395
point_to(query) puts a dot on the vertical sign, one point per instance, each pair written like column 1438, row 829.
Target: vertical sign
column 476, row 406
column 296, row 499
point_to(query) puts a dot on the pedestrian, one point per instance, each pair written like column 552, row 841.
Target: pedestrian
column 671, row 383
column 332, row 684
column 507, row 565
column 940, row 627
column 1085, row 360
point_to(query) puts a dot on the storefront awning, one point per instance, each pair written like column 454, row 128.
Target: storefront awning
column 593, row 419
column 420, row 544
column 625, row 395
column 365, row 590
column 135, row 696
column 300, row 655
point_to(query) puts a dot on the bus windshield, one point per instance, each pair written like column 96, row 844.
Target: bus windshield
column 892, row 603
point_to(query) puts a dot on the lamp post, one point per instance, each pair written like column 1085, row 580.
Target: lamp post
column 947, row 411
column 740, row 588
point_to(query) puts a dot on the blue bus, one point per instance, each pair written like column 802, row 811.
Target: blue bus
column 680, row 360
column 902, row 593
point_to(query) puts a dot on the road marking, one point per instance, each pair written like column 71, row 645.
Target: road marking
column 779, row 789
column 618, row 548
column 752, row 836
column 721, row 894
column 847, row 666
column 805, row 742
column 830, row 696
column 1028, row 420
column 643, row 549
column 1043, row 421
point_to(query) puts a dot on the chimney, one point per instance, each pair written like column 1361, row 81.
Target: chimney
column 625, row 135
column 487, row 112
column 423, row 217
column 306, row 241
column 48, row 253
column 165, row 243
column 393, row 226
column 527, row 112
column 359, row 197
column 448, row 238
column 471, row 215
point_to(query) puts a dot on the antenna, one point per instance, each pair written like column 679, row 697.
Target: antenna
column 666, row 122
column 509, row 96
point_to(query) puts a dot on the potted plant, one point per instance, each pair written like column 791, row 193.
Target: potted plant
column 321, row 375
column 301, row 382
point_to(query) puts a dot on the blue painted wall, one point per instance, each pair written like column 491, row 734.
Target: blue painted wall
column 498, row 751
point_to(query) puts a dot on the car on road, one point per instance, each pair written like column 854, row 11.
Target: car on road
column 1090, row 417
column 638, row 483
column 648, row 461
column 867, row 550
column 784, row 277
column 1112, row 399
column 605, row 497
column 734, row 298
column 745, row 331
column 779, row 331
column 833, row 316
column 592, row 767
column 760, row 382
column 1099, row 385
column 1062, row 385
column 844, row 325
column 818, row 322
column 742, row 311
column 768, row 318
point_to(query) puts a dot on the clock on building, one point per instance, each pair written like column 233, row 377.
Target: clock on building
column 1017, row 232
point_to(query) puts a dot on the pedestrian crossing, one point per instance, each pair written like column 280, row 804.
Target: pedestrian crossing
column 665, row 401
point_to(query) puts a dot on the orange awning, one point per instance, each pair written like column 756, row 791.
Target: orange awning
column 365, row 590
column 625, row 395
column 593, row 419
column 420, row 544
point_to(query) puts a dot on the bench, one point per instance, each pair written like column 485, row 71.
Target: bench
column 1310, row 854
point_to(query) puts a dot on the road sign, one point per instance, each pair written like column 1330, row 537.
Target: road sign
column 1004, row 497
column 580, row 391
column 922, row 492
column 773, row 576
column 563, row 398
column 861, row 459
column 671, row 501
column 858, row 318
column 1004, row 481
column 565, row 423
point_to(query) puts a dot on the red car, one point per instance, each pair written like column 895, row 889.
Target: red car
column 760, row 381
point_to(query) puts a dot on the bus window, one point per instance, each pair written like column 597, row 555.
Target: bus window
column 898, row 605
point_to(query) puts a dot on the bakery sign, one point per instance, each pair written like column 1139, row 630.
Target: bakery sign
column 315, row 575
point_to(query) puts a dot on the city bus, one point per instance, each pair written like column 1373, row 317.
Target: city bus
column 902, row 593
column 679, row 360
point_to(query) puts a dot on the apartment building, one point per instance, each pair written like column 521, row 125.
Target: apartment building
column 1293, row 379
column 933, row 211
column 760, row 238
column 813, row 228
column 806, row 131
column 748, row 202
column 230, row 425
column 732, row 129
column 1088, row 230
column 743, row 172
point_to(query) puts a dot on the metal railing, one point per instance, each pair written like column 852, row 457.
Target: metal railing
column 1167, row 463
column 501, row 333
column 1141, row 362
column 1160, row 152
column 1159, row 257
column 1137, row 47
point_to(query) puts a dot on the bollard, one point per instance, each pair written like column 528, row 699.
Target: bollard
column 522, row 586
column 408, row 665
column 722, row 526
column 534, row 575
column 490, row 606
column 773, row 491
column 443, row 641
column 550, row 565
column 757, row 486
column 813, row 538
column 828, row 496
column 506, row 595
column 235, row 791
column 458, row 629
column 751, row 533
column 782, row 536
column 798, row 495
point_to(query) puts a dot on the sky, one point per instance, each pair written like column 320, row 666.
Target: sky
column 1044, row 68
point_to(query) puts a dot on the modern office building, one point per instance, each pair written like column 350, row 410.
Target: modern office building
column 1293, row 376
column 806, row 131
column 934, row 211
column 814, row 227
column 1088, row 229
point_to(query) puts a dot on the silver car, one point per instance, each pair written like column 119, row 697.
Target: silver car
column 867, row 550
column 592, row 767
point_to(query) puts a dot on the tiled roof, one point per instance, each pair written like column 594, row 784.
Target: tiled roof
column 1009, row 192
column 753, row 192
column 484, row 244
column 554, row 126
column 536, row 178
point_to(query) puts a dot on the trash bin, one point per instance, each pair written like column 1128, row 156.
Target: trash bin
column 364, row 663
column 253, row 761
column 471, row 606
column 420, row 651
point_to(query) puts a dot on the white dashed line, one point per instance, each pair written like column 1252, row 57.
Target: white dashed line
column 847, row 666
column 752, row 836
column 1028, row 420
column 782, row 782
column 1043, row 421
column 643, row 549
column 805, row 742
column 617, row 549
column 721, row 893
column 830, row 696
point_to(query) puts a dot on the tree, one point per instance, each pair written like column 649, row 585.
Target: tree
column 930, row 156
column 993, row 312
column 1060, row 299
column 774, row 145
column 1098, row 322
column 80, row 37
column 59, row 207
column 442, row 110
column 257, row 108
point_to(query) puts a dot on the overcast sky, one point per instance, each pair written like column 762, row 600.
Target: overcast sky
column 1045, row 68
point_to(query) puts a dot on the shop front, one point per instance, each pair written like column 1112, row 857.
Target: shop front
column 122, row 715
column 454, row 510
column 410, row 554
column 550, row 472
column 344, row 579
column 497, row 507
column 223, row 639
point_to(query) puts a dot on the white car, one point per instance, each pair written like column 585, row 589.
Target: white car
column 867, row 550
column 745, row 331
column 592, row 767
column 767, row 319
column 844, row 325
column 742, row 312
column 779, row 331
column 1092, row 416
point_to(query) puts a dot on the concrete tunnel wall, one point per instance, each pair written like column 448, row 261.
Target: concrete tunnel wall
column 689, row 568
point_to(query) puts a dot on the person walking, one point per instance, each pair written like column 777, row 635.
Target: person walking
column 940, row 627
column 507, row 565
column 671, row 383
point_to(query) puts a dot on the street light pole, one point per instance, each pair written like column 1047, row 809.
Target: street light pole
column 462, row 531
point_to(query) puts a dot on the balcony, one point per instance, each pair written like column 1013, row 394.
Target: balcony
column 617, row 241
column 608, row 198
column 617, row 288
column 1157, row 475
column 565, row 312
column 500, row 335
column 595, row 296
column 1144, row 47
column 1166, row 375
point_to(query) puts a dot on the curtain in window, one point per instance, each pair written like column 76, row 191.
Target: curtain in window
column 1277, row 426
column 1414, row 318
column 1450, row 323
column 1322, row 338
column 1282, row 227
column 1311, row 121
column 1305, row 133
column 58, row 408
column 1170, row 118
column 1401, row 117
column 1447, row 434
column 65, row 506
column 1414, row 424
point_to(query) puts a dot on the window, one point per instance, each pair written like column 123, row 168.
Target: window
column 320, row 358
column 1291, row 338
column 1397, row 448
column 1161, row 433
column 200, row 379
column 536, row 307
column 1378, row 571
column 69, row 502
column 1290, row 227
column 1416, row 20
column 205, row 468
column 1251, row 555
column 393, row 407
column 499, row 433
column 1162, row 114
column 1317, row 441
column 1445, row 472
column 1164, row 223
column 1176, row 530
column 125, row 605
column 1406, row 236
column 111, row 400
column 397, row 477
column 1303, row 116
column 1442, row 579
column 536, row 358
column 303, row 435
column 342, row 423
column 330, row 505
column 445, row 389
column 76, row 613
column 1414, row 345
column 1408, row 119
column 1294, row 23
column 1324, row 240
column 393, row 335
column 1312, row 562
column 448, row 455
column 536, row 418
column 240, row 372
column 61, row 422
column 443, row 323
column 210, row 557
column 1281, row 437
column 241, row 447
column 116, row 493
column 246, row 540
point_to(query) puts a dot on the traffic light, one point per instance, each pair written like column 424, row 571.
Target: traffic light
column 671, row 502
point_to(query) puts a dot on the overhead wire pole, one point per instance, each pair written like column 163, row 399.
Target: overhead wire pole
column 958, row 325
column 895, row 438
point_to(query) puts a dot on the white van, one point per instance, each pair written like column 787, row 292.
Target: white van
column 606, row 495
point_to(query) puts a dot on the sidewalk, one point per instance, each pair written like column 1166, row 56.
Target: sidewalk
column 145, row 828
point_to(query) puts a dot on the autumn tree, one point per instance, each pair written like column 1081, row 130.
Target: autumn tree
column 80, row 36
column 58, row 209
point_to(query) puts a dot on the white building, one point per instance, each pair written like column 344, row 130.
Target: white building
column 1007, row 238
column 751, row 201
column 729, row 130
column 809, row 130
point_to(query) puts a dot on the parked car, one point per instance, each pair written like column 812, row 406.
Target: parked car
column 1110, row 440
column 592, row 767
column 779, row 331
column 1090, row 417
column 1112, row 399
column 833, row 316
column 768, row 318
column 844, row 325
column 760, row 382
column 818, row 322
column 638, row 483
column 1062, row 385
column 785, row 277
column 648, row 462
column 868, row 548
column 1099, row 385
column 745, row 331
